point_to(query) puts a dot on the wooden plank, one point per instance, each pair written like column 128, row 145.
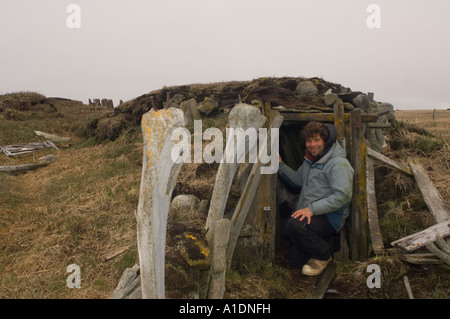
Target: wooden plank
column 6, row 151
column 359, row 235
column 322, row 282
column 323, row 117
column 418, row 240
column 374, row 226
column 430, row 194
column 388, row 161
column 242, row 207
column 51, row 144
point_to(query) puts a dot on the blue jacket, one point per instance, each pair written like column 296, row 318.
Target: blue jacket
column 326, row 185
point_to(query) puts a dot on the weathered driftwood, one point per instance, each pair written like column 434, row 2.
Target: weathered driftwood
column 374, row 226
column 54, row 138
column 114, row 255
column 408, row 287
column 431, row 196
column 20, row 169
column 322, row 282
column 375, row 155
column 360, row 234
column 418, row 240
column 129, row 284
column 159, row 174
column 241, row 210
column 441, row 254
column 17, row 149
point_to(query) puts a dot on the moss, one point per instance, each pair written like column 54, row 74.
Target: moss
column 195, row 251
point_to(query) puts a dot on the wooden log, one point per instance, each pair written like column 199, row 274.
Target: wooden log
column 375, row 155
column 438, row 253
column 52, row 137
column 6, row 151
column 431, row 196
column 374, row 226
column 20, row 169
column 418, row 240
column 408, row 287
column 442, row 244
column 359, row 235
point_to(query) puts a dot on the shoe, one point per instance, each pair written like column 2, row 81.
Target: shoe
column 314, row 267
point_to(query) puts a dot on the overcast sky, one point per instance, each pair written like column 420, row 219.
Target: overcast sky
column 123, row 49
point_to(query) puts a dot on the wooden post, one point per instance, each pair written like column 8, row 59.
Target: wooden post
column 339, row 122
column 375, row 232
column 359, row 235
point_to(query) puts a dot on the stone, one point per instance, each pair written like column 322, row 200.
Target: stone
column 363, row 102
column 185, row 106
column 159, row 174
column 306, row 88
column 348, row 107
column 208, row 105
column 388, row 110
column 203, row 207
column 185, row 202
column 178, row 98
column 330, row 99
column 348, row 96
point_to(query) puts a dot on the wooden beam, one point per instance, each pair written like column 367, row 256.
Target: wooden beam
column 359, row 235
column 421, row 239
column 323, row 117
column 374, row 226
column 322, row 282
column 388, row 161
column 431, row 196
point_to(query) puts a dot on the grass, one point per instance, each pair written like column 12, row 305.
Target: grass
column 77, row 210
column 82, row 208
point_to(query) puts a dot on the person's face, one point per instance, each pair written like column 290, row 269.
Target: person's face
column 315, row 145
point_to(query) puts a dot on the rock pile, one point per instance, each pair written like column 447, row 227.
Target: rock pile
column 313, row 95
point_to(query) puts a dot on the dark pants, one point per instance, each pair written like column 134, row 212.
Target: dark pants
column 316, row 240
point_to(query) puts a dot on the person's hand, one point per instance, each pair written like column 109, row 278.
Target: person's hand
column 302, row 214
column 279, row 158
